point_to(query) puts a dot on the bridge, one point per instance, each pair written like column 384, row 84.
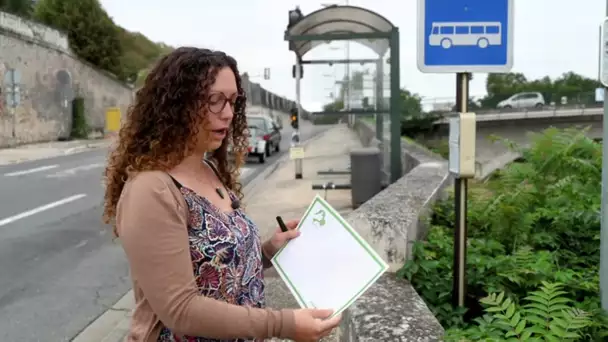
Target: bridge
column 516, row 126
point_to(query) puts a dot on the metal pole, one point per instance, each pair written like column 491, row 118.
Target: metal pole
column 395, row 120
column 380, row 119
column 13, row 93
column 348, row 83
column 604, row 218
column 599, row 54
column 14, row 117
column 298, row 162
column 379, row 97
column 460, row 204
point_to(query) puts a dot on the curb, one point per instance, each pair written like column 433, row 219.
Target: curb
column 106, row 328
column 110, row 325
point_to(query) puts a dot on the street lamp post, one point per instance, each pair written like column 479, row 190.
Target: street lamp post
column 347, row 91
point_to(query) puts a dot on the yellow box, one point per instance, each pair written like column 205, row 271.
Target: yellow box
column 113, row 119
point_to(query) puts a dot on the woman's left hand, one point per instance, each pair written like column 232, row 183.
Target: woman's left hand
column 280, row 238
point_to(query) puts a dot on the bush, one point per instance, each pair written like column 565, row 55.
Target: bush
column 80, row 128
column 536, row 224
column 546, row 317
column 329, row 119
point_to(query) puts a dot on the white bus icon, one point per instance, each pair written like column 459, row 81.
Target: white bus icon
column 482, row 34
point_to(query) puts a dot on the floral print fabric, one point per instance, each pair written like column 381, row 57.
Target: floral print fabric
column 225, row 249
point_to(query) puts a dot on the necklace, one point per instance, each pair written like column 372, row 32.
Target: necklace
column 218, row 189
column 220, row 192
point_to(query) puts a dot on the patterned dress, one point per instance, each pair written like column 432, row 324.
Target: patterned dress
column 226, row 258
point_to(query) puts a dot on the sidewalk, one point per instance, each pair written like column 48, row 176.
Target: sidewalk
column 278, row 194
column 51, row 149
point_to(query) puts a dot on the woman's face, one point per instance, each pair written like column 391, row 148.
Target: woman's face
column 220, row 110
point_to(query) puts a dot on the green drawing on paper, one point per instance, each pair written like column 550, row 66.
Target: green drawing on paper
column 319, row 218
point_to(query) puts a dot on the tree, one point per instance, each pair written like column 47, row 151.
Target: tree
column 411, row 104
column 22, row 8
column 576, row 88
column 335, row 106
column 139, row 53
column 92, row 34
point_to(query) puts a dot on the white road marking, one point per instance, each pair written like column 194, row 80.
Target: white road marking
column 73, row 171
column 40, row 209
column 28, row 171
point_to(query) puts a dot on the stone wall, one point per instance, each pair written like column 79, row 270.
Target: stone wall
column 50, row 77
column 391, row 310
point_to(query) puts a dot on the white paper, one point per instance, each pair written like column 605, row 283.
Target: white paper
column 329, row 265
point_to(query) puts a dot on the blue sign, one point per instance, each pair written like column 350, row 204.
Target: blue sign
column 465, row 35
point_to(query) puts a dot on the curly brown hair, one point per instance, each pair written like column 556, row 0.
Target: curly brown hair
column 162, row 124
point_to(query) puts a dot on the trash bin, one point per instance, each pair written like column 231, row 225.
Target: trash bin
column 365, row 174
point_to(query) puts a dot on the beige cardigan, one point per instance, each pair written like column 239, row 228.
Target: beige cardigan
column 151, row 221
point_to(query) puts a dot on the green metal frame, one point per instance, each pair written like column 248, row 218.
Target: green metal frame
column 395, row 98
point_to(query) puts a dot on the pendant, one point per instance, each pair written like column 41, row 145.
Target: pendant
column 219, row 192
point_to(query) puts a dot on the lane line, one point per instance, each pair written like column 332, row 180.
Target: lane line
column 40, row 209
column 28, row 171
column 73, row 171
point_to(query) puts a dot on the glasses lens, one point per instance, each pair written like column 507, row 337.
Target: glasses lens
column 216, row 103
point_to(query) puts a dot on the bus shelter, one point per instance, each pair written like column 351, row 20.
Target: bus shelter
column 341, row 23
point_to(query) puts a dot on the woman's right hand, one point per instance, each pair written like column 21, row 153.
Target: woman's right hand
column 312, row 324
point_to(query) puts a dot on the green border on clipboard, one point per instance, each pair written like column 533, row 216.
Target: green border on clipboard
column 363, row 243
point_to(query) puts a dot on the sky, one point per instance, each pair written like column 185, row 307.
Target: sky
column 551, row 37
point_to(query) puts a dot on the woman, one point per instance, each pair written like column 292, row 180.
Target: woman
column 196, row 259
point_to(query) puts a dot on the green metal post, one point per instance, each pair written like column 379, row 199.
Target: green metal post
column 396, row 168
column 379, row 99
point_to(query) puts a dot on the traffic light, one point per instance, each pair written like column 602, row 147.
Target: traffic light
column 294, row 119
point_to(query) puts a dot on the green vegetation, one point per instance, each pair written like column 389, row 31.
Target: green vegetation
column 80, row 127
column 93, row 35
column 419, row 125
column 533, row 251
column 576, row 88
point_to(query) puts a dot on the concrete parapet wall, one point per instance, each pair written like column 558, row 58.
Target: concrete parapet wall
column 391, row 310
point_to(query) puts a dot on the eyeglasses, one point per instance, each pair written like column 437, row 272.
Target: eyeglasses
column 217, row 102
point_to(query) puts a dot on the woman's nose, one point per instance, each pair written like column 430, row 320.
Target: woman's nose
column 227, row 113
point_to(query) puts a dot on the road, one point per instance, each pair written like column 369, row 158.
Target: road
column 59, row 267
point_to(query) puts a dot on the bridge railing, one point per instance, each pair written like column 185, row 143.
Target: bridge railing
column 258, row 96
column 535, row 113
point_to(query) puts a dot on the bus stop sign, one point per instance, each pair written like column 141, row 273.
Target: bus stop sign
column 465, row 36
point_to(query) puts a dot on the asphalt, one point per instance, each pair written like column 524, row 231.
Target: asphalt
column 59, row 267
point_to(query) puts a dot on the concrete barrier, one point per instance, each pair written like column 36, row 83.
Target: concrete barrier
column 390, row 221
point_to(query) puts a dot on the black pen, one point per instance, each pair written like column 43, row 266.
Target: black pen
column 281, row 224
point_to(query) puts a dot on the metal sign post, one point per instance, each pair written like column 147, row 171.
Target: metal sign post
column 296, row 134
column 604, row 210
column 464, row 36
column 12, row 79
